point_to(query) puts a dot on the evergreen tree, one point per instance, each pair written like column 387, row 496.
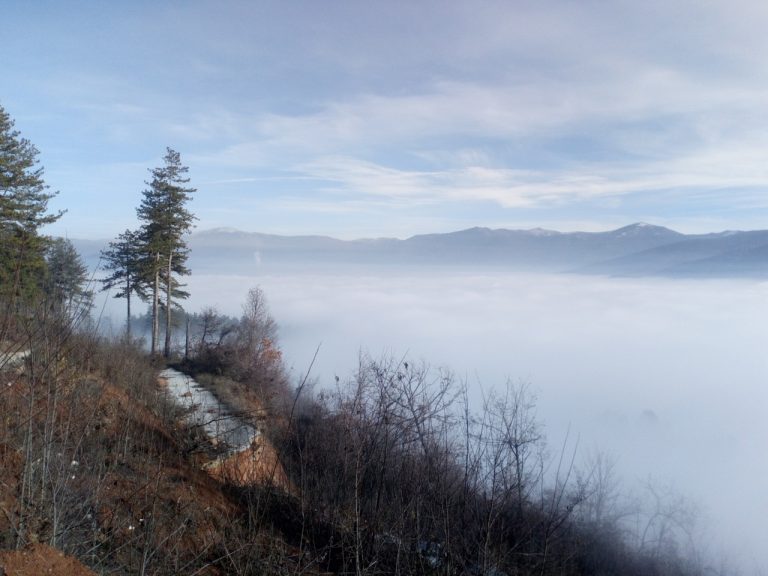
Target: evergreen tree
column 126, row 262
column 166, row 220
column 67, row 280
column 24, row 200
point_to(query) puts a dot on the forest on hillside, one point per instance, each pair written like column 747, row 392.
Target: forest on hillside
column 388, row 471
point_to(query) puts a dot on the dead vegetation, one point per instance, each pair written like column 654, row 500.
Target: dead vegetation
column 97, row 465
column 390, row 473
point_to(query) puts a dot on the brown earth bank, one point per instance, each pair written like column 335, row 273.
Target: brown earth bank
column 96, row 462
column 257, row 465
column 38, row 560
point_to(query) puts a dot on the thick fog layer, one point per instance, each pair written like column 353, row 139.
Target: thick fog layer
column 669, row 377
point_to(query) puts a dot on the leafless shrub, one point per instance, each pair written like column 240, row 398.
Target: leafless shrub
column 389, row 473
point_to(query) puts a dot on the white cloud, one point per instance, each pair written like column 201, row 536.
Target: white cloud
column 658, row 129
column 523, row 104
column 708, row 171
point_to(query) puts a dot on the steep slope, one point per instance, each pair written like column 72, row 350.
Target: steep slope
column 118, row 481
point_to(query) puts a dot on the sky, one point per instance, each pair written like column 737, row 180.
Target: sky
column 392, row 118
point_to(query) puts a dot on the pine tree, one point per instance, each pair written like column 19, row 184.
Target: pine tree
column 67, row 280
column 24, row 200
column 125, row 260
column 166, row 220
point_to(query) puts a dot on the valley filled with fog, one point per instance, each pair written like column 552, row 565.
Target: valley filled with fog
column 666, row 377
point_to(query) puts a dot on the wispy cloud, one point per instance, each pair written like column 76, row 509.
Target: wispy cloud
column 527, row 106
column 703, row 173
column 657, row 129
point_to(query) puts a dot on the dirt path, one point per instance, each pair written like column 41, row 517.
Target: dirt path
column 249, row 457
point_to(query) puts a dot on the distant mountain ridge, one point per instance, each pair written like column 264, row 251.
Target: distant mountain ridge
column 636, row 250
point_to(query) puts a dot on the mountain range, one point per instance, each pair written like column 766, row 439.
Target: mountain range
column 635, row 250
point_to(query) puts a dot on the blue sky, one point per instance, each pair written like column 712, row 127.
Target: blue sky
column 393, row 118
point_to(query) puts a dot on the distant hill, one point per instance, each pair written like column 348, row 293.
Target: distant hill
column 635, row 250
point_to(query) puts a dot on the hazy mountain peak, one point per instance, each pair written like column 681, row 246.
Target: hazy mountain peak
column 543, row 232
column 643, row 228
column 221, row 230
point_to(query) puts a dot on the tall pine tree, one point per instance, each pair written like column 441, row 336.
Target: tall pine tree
column 125, row 261
column 24, row 200
column 166, row 220
column 67, row 281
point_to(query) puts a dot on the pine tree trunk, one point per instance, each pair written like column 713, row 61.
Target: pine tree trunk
column 168, row 303
column 128, row 320
column 186, row 342
column 155, row 301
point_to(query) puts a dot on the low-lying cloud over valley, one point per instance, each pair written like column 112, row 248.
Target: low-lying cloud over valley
column 667, row 376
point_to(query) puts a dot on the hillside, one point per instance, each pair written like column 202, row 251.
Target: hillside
column 101, row 463
column 95, row 464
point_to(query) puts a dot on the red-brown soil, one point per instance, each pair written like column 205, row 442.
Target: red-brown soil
column 137, row 472
column 129, row 476
column 257, row 465
column 38, row 560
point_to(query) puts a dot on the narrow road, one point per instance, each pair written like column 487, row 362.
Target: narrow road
column 204, row 409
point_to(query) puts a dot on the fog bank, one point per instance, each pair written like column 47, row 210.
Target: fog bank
column 667, row 376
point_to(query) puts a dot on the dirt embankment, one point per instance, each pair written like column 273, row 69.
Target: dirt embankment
column 119, row 480
column 39, row 560
column 256, row 465
column 125, row 480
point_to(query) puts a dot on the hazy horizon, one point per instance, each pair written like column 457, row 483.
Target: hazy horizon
column 529, row 227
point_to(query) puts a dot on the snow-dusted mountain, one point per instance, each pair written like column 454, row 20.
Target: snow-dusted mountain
column 635, row 250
